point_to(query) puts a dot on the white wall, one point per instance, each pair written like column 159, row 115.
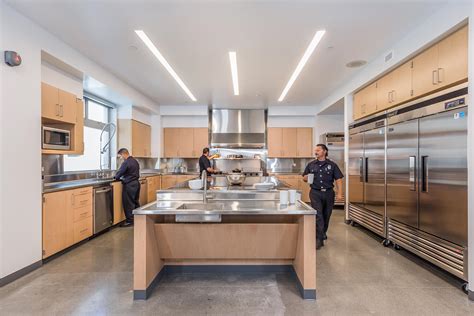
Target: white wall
column 326, row 124
column 20, row 112
column 59, row 78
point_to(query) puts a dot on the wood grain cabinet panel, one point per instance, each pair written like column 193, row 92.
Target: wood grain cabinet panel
column 424, row 71
column 49, row 102
column 55, row 223
column 275, row 138
column 201, row 140
column 119, row 214
column 167, row 181
column 304, row 142
column 186, row 142
column 67, row 103
column 171, row 142
column 453, row 57
column 289, row 142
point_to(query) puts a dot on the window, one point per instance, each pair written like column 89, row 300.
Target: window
column 96, row 116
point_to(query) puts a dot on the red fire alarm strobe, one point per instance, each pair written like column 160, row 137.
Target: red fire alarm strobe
column 12, row 58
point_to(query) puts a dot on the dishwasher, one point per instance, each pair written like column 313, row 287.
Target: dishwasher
column 103, row 208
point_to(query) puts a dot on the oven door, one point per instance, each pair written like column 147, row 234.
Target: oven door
column 54, row 138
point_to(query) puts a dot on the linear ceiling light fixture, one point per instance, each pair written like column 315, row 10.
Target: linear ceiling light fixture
column 233, row 69
column 163, row 61
column 314, row 42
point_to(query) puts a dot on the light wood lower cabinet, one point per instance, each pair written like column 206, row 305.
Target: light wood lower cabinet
column 168, row 181
column 67, row 219
column 295, row 181
column 119, row 214
column 153, row 185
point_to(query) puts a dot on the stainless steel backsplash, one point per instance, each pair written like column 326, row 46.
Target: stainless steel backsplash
column 293, row 165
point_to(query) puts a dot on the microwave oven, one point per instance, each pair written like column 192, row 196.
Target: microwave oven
column 55, row 138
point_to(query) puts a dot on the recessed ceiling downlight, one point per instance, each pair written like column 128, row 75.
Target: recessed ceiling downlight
column 356, row 63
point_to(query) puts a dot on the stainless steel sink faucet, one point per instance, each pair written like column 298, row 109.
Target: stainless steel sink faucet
column 204, row 183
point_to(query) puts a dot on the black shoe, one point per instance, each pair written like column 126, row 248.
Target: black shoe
column 127, row 224
column 319, row 243
column 325, row 236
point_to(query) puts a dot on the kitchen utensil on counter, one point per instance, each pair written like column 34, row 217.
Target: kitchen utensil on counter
column 235, row 178
column 292, row 195
column 195, row 184
column 284, row 197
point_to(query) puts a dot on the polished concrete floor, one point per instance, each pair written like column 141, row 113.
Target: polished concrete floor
column 355, row 276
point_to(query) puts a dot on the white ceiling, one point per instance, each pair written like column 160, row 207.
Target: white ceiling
column 195, row 36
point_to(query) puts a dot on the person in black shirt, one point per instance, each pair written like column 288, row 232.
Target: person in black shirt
column 325, row 173
column 129, row 173
column 205, row 162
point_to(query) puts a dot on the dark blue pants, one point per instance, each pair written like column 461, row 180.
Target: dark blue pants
column 130, row 198
column 322, row 202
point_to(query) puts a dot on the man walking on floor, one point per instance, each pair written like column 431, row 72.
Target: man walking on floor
column 321, row 174
column 129, row 173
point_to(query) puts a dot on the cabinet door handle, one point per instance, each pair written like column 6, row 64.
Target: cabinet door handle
column 388, row 97
column 433, row 77
column 57, row 110
column 393, row 95
column 440, row 75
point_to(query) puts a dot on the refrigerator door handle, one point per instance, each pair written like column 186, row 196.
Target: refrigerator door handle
column 361, row 169
column 366, row 177
column 412, row 176
column 424, row 173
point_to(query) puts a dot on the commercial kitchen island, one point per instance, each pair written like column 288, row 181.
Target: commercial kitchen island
column 227, row 230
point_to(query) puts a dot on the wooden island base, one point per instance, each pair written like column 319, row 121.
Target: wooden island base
column 259, row 243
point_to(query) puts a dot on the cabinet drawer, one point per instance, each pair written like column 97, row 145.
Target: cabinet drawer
column 83, row 212
column 82, row 229
column 87, row 190
column 82, row 200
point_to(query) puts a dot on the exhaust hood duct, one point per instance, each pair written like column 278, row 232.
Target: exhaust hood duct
column 238, row 128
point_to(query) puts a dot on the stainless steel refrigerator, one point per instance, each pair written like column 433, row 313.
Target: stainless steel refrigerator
column 367, row 173
column 335, row 144
column 427, row 178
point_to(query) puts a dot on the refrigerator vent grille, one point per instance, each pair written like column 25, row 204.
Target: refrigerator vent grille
column 440, row 252
column 368, row 219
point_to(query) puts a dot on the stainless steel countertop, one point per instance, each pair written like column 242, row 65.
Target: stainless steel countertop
column 94, row 182
column 226, row 208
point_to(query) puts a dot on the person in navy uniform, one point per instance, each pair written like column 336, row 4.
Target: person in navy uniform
column 129, row 173
column 326, row 173
column 205, row 162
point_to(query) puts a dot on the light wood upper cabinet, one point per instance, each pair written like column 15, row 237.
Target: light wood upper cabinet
column 78, row 131
column 135, row 136
column 275, row 138
column 304, row 142
column 170, row 142
column 184, row 142
column 452, row 58
column 425, row 66
column 201, row 140
column 57, row 105
column 289, row 142
column 402, row 84
column 141, row 139
column 441, row 65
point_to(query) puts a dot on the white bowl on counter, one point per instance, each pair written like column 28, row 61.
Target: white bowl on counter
column 195, row 184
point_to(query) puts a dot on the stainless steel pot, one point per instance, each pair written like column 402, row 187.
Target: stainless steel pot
column 235, row 178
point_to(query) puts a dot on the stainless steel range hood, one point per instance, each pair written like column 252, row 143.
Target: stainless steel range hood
column 238, row 128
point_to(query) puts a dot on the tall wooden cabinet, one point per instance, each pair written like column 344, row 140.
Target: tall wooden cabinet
column 290, row 142
column 184, row 142
column 441, row 65
column 135, row 136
